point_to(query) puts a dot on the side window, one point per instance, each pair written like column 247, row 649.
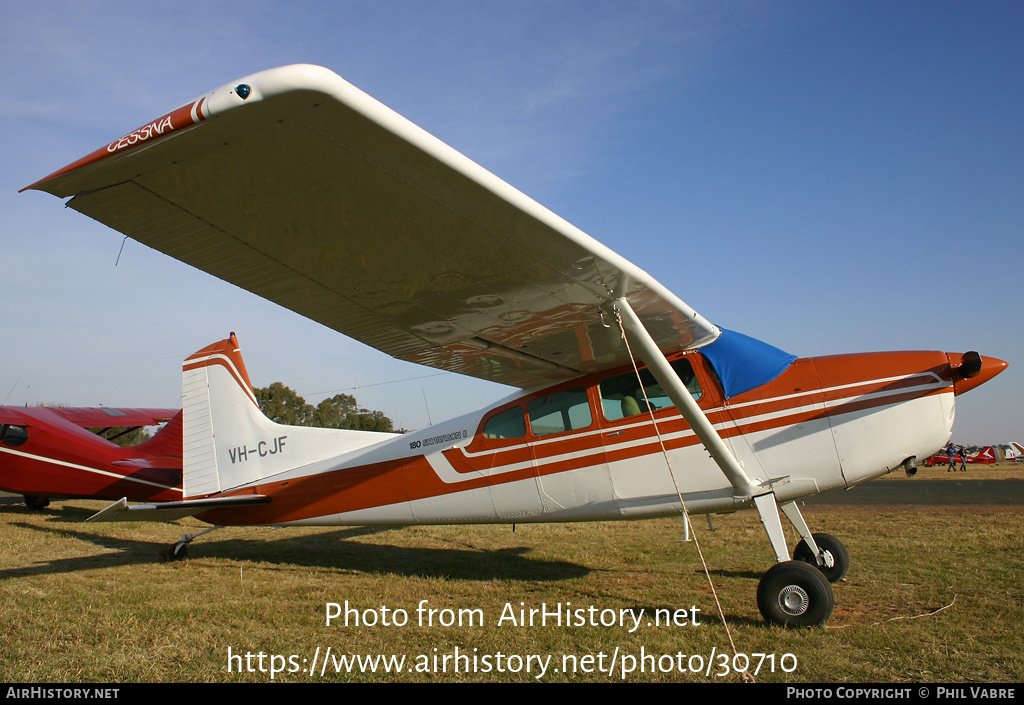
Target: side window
column 12, row 435
column 508, row 424
column 622, row 396
column 562, row 411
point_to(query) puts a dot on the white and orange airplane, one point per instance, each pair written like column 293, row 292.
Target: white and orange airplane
column 297, row 186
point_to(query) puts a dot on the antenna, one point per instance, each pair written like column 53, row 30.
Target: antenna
column 429, row 421
column 14, row 386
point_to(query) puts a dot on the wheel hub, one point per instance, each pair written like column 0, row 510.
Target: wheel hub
column 794, row 600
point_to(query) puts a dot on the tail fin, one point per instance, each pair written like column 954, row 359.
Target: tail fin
column 227, row 442
column 985, row 456
column 166, row 441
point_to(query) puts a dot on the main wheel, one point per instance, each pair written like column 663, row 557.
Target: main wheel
column 794, row 594
column 833, row 547
column 36, row 502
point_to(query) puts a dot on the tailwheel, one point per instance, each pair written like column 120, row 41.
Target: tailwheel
column 835, row 560
column 795, row 594
column 175, row 552
column 178, row 551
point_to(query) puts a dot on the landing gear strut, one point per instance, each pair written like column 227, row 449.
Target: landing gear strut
column 797, row 593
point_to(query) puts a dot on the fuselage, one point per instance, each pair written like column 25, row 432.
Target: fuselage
column 46, row 454
column 591, row 449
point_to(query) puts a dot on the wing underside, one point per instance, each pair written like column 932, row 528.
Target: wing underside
column 315, row 196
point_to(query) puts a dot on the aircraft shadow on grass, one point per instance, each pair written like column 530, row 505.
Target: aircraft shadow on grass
column 337, row 550
column 722, row 573
column 331, row 550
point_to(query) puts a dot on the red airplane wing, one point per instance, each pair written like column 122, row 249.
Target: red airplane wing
column 104, row 417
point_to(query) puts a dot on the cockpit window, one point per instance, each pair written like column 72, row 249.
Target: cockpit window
column 508, row 424
column 562, row 411
column 622, row 395
column 11, row 435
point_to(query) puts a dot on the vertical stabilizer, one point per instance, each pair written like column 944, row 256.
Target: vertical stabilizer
column 227, row 442
column 216, row 370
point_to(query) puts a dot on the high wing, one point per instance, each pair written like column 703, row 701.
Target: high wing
column 89, row 417
column 297, row 186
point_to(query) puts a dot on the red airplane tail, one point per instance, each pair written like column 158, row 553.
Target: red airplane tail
column 985, row 456
column 166, row 441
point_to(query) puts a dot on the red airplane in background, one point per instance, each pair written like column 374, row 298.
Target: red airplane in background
column 985, row 456
column 48, row 453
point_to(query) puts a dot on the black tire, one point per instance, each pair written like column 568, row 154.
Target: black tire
column 36, row 502
column 826, row 542
column 175, row 552
column 793, row 594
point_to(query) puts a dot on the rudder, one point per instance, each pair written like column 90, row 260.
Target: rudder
column 227, row 441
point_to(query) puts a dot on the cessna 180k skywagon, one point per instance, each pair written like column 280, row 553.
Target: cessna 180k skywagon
column 297, row 186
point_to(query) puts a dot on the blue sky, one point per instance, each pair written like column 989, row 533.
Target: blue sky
column 828, row 177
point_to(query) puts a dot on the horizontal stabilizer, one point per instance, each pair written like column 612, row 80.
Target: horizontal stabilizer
column 171, row 511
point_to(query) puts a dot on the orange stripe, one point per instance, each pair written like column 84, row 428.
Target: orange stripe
column 411, row 479
column 231, row 371
column 155, row 129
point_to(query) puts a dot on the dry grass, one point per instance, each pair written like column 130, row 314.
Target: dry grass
column 934, row 594
column 997, row 471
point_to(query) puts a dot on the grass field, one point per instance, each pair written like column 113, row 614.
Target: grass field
column 934, row 594
column 996, row 471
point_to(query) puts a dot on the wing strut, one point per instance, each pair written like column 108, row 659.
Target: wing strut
column 680, row 396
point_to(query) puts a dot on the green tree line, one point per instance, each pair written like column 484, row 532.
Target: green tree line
column 283, row 405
